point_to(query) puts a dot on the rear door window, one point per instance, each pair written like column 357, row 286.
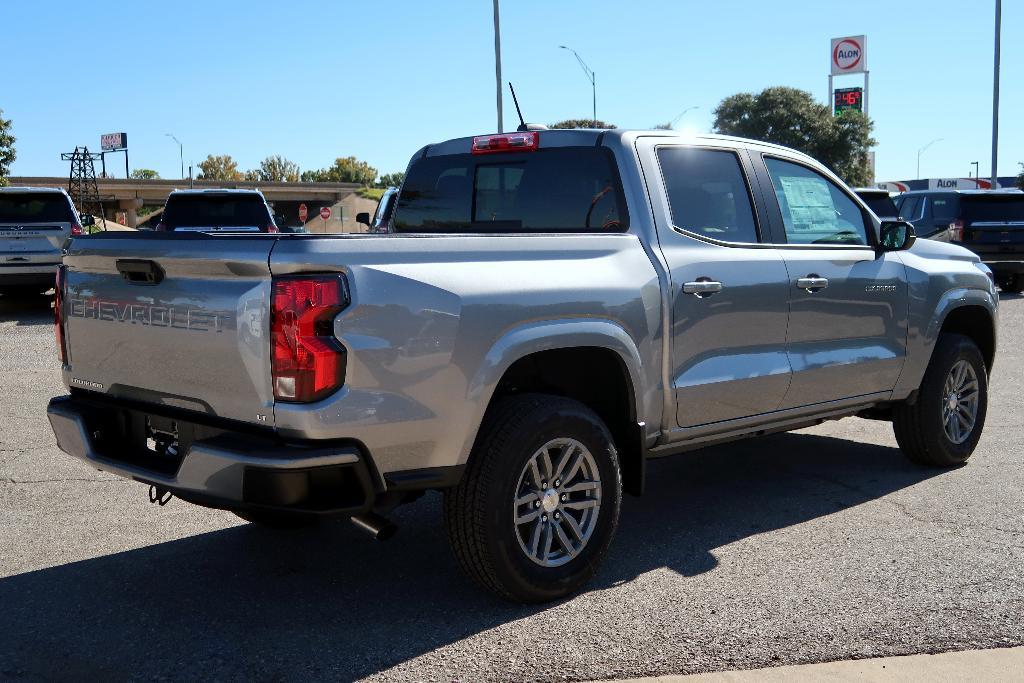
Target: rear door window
column 35, row 207
column 560, row 189
column 216, row 211
column 944, row 208
column 814, row 209
column 708, row 193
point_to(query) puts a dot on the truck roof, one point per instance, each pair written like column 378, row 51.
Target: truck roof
column 216, row 190
column 61, row 190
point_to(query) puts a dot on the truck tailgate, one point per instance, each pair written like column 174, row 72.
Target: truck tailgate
column 172, row 320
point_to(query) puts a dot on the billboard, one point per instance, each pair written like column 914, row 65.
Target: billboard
column 849, row 55
column 110, row 142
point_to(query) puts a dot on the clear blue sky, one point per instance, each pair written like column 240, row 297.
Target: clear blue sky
column 317, row 80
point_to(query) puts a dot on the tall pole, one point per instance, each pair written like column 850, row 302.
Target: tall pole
column 181, row 154
column 497, row 63
column 593, row 86
column 995, row 99
column 588, row 72
column 919, row 154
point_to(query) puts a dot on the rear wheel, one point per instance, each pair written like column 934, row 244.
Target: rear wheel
column 943, row 426
column 536, row 510
column 1013, row 284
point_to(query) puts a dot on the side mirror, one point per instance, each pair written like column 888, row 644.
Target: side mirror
column 87, row 220
column 896, row 236
column 364, row 218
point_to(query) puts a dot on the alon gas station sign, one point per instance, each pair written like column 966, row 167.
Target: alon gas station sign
column 849, row 55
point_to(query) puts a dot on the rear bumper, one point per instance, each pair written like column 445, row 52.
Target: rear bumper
column 222, row 469
column 28, row 275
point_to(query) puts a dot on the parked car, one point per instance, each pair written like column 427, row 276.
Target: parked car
column 879, row 201
column 34, row 224
column 552, row 310
column 381, row 221
column 216, row 211
column 988, row 222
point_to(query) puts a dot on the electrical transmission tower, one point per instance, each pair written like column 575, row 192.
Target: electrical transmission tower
column 82, row 182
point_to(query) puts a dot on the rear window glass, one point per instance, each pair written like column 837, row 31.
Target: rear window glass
column 987, row 209
column 34, row 207
column 563, row 189
column 216, row 212
column 881, row 204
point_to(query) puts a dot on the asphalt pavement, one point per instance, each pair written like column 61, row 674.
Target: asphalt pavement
column 818, row 545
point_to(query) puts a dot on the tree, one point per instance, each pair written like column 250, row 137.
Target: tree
column 278, row 169
column 582, row 123
column 344, row 170
column 391, row 179
column 791, row 117
column 7, row 153
column 144, row 174
column 663, row 126
column 1020, row 178
column 221, row 167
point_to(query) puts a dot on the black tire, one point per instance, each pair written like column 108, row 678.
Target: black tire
column 919, row 428
column 273, row 519
column 479, row 513
column 1012, row 285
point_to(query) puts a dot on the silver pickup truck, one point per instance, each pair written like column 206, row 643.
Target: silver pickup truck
column 553, row 309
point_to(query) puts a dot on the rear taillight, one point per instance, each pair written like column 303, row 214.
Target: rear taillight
column 307, row 362
column 272, row 228
column 506, row 142
column 76, row 230
column 58, row 315
column 956, row 231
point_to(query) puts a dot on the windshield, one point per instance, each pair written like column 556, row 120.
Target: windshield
column 35, row 207
column 561, row 189
column 881, row 204
column 216, row 211
column 993, row 208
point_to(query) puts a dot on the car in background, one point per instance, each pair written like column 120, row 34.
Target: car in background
column 216, row 211
column 988, row 222
column 34, row 224
column 879, row 201
column 381, row 222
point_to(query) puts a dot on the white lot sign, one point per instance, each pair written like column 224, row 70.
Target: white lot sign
column 849, row 55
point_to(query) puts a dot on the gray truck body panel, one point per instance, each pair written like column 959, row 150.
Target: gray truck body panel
column 436, row 320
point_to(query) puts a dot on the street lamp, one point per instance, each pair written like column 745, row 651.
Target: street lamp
column 589, row 73
column 923, row 149
column 682, row 114
column 181, row 154
column 976, row 176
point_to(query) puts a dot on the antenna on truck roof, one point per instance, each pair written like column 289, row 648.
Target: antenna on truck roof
column 523, row 125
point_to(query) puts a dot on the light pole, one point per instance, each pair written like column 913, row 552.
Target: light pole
column 591, row 76
column 995, row 99
column 977, row 177
column 181, row 154
column 497, row 62
column 919, row 154
column 682, row 114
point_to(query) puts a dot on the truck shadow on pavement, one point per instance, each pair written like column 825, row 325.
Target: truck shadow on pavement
column 27, row 309
column 245, row 603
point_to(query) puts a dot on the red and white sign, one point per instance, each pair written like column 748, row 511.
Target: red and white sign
column 325, row 212
column 303, row 213
column 849, row 55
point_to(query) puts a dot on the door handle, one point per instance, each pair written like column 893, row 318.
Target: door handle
column 812, row 283
column 702, row 288
column 140, row 271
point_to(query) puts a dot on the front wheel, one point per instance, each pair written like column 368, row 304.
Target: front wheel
column 536, row 510
column 942, row 428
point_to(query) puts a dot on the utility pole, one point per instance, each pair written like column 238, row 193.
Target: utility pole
column 497, row 63
column 919, row 154
column 995, row 99
column 591, row 76
column 181, row 154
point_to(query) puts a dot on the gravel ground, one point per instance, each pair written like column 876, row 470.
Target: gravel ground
column 818, row 545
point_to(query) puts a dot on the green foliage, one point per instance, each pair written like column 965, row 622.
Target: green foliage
column 7, row 153
column 1020, row 178
column 277, row 169
column 143, row 174
column 371, row 192
column 344, row 170
column 391, row 180
column 791, row 117
column 221, row 167
column 663, row 126
column 582, row 123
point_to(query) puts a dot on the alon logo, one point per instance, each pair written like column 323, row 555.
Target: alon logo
column 847, row 54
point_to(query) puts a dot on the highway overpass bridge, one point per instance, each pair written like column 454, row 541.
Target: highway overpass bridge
column 130, row 195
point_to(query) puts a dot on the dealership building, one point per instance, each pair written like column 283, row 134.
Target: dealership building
column 948, row 184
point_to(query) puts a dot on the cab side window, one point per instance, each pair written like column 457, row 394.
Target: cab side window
column 707, row 193
column 814, row 209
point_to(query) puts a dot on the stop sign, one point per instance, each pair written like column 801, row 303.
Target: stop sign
column 325, row 212
column 303, row 213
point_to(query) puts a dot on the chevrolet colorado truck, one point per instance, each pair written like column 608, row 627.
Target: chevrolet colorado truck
column 552, row 310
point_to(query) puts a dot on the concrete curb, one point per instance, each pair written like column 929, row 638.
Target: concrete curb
column 1004, row 664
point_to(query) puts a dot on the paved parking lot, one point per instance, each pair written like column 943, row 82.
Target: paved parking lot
column 817, row 545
